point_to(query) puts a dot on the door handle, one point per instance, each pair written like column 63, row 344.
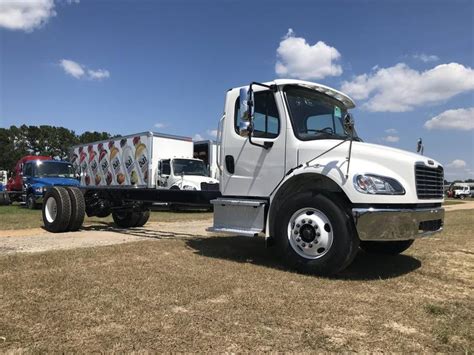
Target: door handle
column 230, row 164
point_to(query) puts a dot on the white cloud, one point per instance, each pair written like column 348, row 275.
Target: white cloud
column 27, row 15
column 457, row 164
column 391, row 131
column 79, row 71
column 198, row 137
column 298, row 59
column 391, row 139
column 460, row 119
column 212, row 133
column 98, row 74
column 426, row 58
column 160, row 125
column 72, row 68
column 400, row 88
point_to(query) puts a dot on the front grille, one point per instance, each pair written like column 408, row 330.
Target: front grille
column 429, row 181
column 209, row 187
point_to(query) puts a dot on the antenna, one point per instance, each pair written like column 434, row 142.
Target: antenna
column 419, row 146
column 349, row 127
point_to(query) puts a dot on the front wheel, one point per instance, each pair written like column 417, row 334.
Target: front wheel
column 31, row 202
column 315, row 235
column 388, row 248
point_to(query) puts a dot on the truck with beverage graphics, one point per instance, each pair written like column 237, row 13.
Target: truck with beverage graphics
column 292, row 169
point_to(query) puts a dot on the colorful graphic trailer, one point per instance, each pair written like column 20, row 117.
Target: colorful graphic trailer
column 127, row 161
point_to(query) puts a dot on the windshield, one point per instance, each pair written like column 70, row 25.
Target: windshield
column 58, row 169
column 314, row 115
column 189, row 167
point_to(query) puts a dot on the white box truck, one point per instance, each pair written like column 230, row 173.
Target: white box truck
column 293, row 170
column 142, row 160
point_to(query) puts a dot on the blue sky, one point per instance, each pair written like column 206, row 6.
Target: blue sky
column 130, row 66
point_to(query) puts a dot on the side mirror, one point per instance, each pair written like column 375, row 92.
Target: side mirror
column 246, row 104
column 245, row 129
column 349, row 124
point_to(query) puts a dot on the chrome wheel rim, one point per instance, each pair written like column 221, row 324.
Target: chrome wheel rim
column 51, row 210
column 310, row 233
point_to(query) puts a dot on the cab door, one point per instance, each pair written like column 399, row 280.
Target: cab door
column 247, row 169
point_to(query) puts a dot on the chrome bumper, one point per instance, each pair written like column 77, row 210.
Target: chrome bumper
column 397, row 224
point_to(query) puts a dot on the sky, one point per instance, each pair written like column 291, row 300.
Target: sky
column 131, row 66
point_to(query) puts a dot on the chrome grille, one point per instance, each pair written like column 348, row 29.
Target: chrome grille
column 429, row 181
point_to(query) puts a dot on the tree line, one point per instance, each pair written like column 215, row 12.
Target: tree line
column 16, row 142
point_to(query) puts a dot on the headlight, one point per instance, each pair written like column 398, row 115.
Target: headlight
column 189, row 187
column 39, row 190
column 377, row 185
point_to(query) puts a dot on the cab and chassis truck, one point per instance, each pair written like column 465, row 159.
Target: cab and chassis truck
column 292, row 169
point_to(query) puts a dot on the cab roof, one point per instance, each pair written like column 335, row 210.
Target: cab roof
column 339, row 96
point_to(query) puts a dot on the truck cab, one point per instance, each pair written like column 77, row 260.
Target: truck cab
column 461, row 191
column 184, row 174
column 40, row 175
column 294, row 169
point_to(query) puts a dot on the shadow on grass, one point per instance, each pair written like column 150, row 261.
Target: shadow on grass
column 252, row 250
column 139, row 231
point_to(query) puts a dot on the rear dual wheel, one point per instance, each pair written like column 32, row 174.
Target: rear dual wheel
column 63, row 209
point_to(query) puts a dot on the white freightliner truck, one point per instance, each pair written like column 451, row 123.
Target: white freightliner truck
column 293, row 170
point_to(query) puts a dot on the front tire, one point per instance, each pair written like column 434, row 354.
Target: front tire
column 394, row 247
column 56, row 210
column 31, row 202
column 315, row 235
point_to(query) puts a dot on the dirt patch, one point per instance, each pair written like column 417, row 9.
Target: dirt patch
column 91, row 235
column 464, row 205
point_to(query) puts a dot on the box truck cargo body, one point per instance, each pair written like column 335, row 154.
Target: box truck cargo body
column 129, row 160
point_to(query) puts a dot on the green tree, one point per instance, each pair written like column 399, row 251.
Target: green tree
column 89, row 137
column 16, row 142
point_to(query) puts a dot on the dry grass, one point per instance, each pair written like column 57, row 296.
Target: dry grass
column 229, row 294
column 19, row 217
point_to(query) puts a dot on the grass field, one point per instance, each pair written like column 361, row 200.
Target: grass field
column 453, row 202
column 230, row 294
column 19, row 217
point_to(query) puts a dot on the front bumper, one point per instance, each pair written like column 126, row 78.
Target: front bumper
column 397, row 224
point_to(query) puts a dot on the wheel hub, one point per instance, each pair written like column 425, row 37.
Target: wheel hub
column 310, row 233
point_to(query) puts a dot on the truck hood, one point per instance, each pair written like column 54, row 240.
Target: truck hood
column 54, row 181
column 194, row 180
column 366, row 158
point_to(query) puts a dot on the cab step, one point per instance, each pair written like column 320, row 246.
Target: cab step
column 239, row 216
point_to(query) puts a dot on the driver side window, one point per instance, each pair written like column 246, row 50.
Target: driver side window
column 28, row 169
column 266, row 123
